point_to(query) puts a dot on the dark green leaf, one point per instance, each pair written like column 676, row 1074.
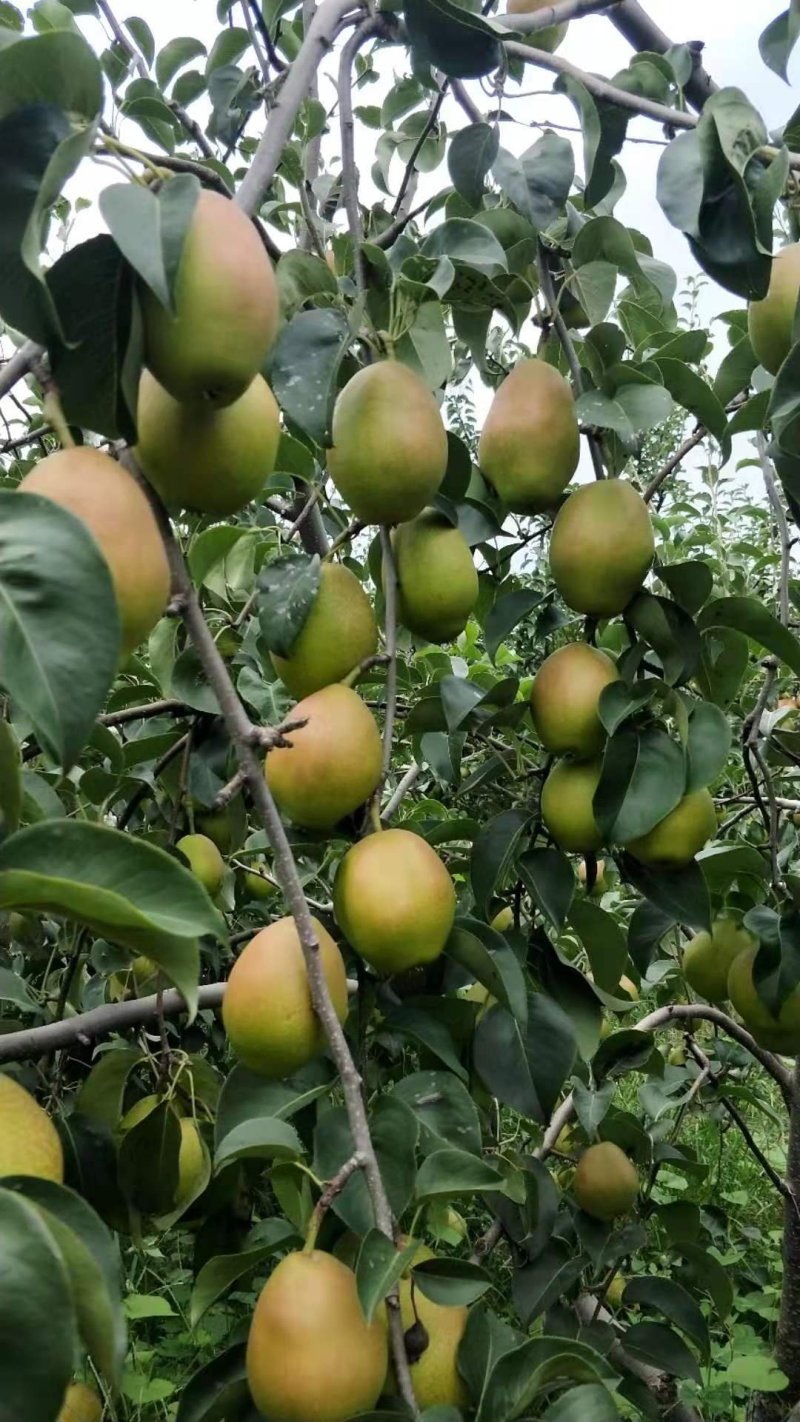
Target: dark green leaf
column 590, row 1402
column 263, row 1138
column 304, row 366
column 661, row 1348
column 776, row 42
column 621, row 1053
column 287, row 590
column 450, row 38
column 526, row 1067
column 394, row 1135
column 148, row 1161
column 690, row 584
column 469, row 158
column 175, row 55
column 680, row 892
column 642, row 779
column 150, row 228
column 506, row 614
column 539, row 181
column 592, row 1106
column 674, row 1302
column 224, row 1270
column 465, row 241
column 10, row 779
column 708, row 745
column 750, row 616
column 724, row 663
column 451, row 1282
column 452, row 1173
column 550, row 880
column 603, row 940
column 524, row 1374
column 493, row 853
column 219, row 1391
column 671, row 633
column 101, row 1095
column 37, row 1318
column 378, row 1268
column 444, row 1109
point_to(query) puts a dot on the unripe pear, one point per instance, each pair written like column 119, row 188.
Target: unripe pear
column 564, row 699
column 530, row 445
column 334, row 762
column 394, row 900
column 708, row 958
column 566, row 806
column 606, row 1182
column 676, row 1056
column 614, row 1292
column 778, row 1034
column 503, row 919
column 677, row 838
column 437, row 585
column 113, row 507
column 205, row 861
column 81, row 1404
column 601, row 547
column 226, row 309
column 29, row 1142
column 199, row 457
column 311, row 1355
column 389, row 452
column 191, row 1160
column 339, row 633
column 550, row 37
column 256, row 885
column 267, row 1010
column 771, row 321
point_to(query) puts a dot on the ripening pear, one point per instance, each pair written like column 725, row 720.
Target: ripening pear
column 567, row 796
column 97, row 489
column 226, row 309
column 606, row 1183
column 139, row 980
column 267, row 1011
column 564, row 699
column 191, row 1160
column 550, row 37
column 503, row 919
column 339, row 633
column 708, row 958
column 771, row 321
column 677, row 838
column 205, row 861
column 199, row 457
column 29, row 1142
column 601, row 547
column 389, row 451
column 394, row 900
column 437, row 585
column 434, row 1376
column 779, row 1034
column 311, row 1355
column 615, row 1290
column 81, row 1404
column 334, row 762
column 530, row 445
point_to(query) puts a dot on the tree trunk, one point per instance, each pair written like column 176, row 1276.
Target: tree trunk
column 782, row 1407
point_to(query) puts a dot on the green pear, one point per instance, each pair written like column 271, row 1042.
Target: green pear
column 677, row 838
column 606, row 1183
column 530, row 445
column 339, row 632
column 566, row 806
column 708, row 958
column 437, row 585
column 205, row 861
column 564, row 699
column 601, row 547
column 771, row 321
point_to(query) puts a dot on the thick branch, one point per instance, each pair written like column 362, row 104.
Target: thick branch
column 99, row 1022
column 644, row 34
column 19, row 365
column 782, row 524
column 555, row 14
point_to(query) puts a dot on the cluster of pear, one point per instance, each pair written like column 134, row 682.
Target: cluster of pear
column 208, row 424
column 719, row 966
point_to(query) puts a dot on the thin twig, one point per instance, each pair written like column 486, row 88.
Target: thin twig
column 428, row 127
column 567, row 345
column 736, row 1116
column 359, row 37
column 100, row 1021
column 147, row 788
column 402, row 788
column 263, row 29
column 390, row 637
column 782, row 524
column 263, row 62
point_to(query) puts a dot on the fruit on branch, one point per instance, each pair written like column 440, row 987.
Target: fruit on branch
column 434, row 1375
column 681, row 834
column 191, row 1161
column 139, row 980
column 226, row 309
column 778, row 1034
column 566, row 806
column 115, row 510
column 389, row 452
column 199, row 457
column 339, row 633
column 564, row 699
column 267, row 1010
column 771, row 321
column 333, row 763
column 550, row 37
column 629, row 988
column 601, row 547
column 81, row 1404
column 503, row 919
column 311, row 1355
column 29, row 1142
column 708, row 958
column 255, row 885
column 394, row 900
column 437, row 585
column 614, row 1292
column 205, row 861
column 530, row 445
column 606, row 1182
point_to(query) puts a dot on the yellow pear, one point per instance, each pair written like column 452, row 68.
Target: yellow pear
column 550, row 37
column 81, row 1404
column 199, row 457
column 437, row 585
column 29, row 1142
column 778, row 1034
column 205, row 861
column 267, row 1012
column 564, row 699
column 601, row 547
column 566, row 807
column 389, row 451
column 226, row 309
column 677, row 838
column 191, row 1160
column 503, row 919
column 708, row 958
column 334, row 762
column 434, row 1376
column 394, row 900
column 339, row 633
column 311, row 1355
column 606, row 1182
column 771, row 321
column 614, row 1292
column 530, row 445
column 113, row 507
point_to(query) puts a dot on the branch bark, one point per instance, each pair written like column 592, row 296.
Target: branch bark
column 707, row 1072
column 567, row 345
column 772, row 1407
column 644, row 34
column 555, row 14
column 100, row 1021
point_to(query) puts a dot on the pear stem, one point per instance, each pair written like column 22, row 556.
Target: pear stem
column 54, row 413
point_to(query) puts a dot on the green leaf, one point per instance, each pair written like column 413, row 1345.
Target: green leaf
column 725, row 655
column 446, row 1112
column 604, row 128
column 378, row 1268
column 539, row 181
column 37, row 1318
column 526, row 1066
column 695, row 395
column 462, row 240
column 618, row 701
column 175, row 55
column 674, row 1301
column 492, row 854
column 394, row 1135
column 681, row 892
column 750, row 616
column 10, row 780
column 590, row 1402
column 500, row 971
column 592, row 1105
column 101, row 1094
column 224, row 1270
column 452, row 1173
column 603, row 940
column 247, row 1096
column 150, row 228
column 709, row 1275
column 148, row 1161
column 469, row 158
column 661, row 1348
column 550, row 880
column 527, row 1372
column 58, row 68
column 14, row 989
column 621, row 1053
column 262, row 1139
column 287, row 590
column 506, row 614
column 218, row 1391
column 708, row 745
column 450, row 38
column 451, row 1283
column 671, row 633
column 642, row 779
column 776, row 42
column 58, row 621
column 691, row 584
column 303, row 369
column 758, row 1371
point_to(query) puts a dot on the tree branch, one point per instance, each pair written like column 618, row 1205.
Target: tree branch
column 779, row 514
column 430, row 124
column 707, row 1070
column 568, row 347
column 344, row 89
column 556, row 14
column 402, row 788
column 390, row 635
column 644, row 34
column 100, row 1021
column 19, row 365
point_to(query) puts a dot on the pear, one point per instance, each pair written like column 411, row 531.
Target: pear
column 779, row 1034
column 108, row 500
column 566, row 806
column 437, row 585
column 339, row 633
column 81, row 1404
column 606, row 1183
column 601, row 547
column 311, row 1355
column 394, row 900
column 564, row 699
column 677, row 838
column 267, row 1012
column 708, row 958
column 530, row 444
column 205, row 861
column 771, row 321
column 334, row 762
column 389, row 452
column 434, row 1376
column 191, row 1160
column 29, row 1142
